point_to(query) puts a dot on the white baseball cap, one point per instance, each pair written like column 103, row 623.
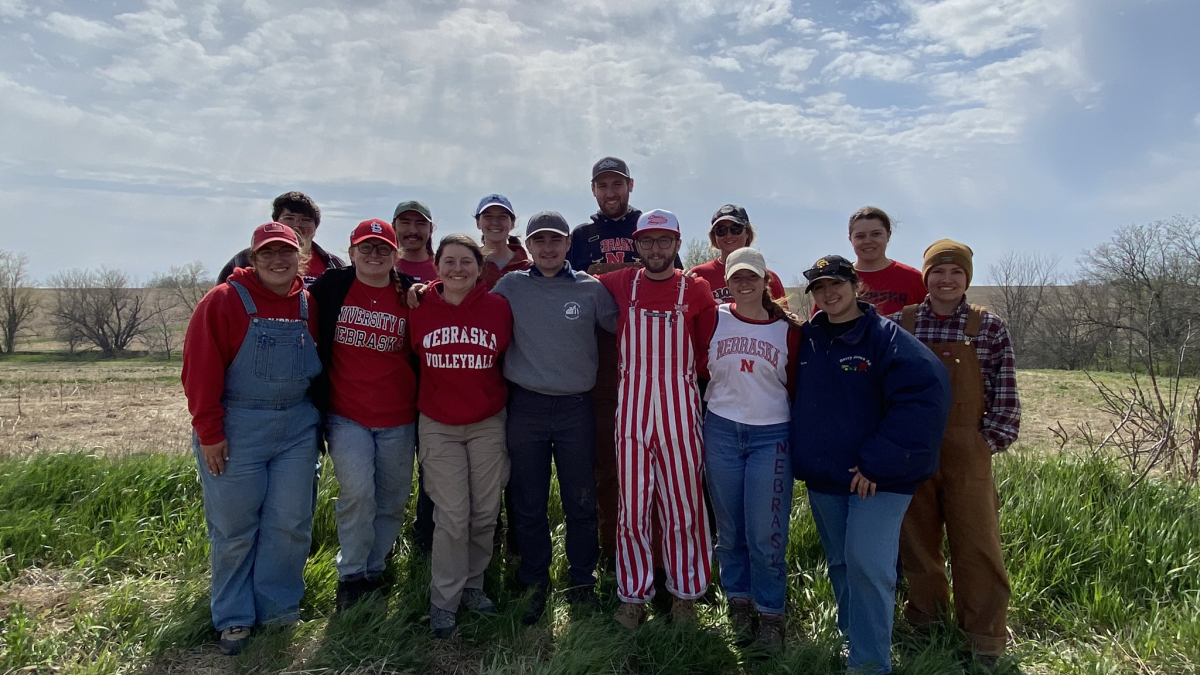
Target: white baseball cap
column 657, row 220
column 745, row 258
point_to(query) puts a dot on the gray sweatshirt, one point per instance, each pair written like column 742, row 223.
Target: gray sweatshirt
column 553, row 348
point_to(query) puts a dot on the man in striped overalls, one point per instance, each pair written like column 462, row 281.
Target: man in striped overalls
column 662, row 314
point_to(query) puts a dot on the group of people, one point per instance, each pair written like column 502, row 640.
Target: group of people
column 657, row 393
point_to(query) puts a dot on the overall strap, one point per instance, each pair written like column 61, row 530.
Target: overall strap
column 974, row 321
column 908, row 318
column 303, row 305
column 633, row 296
column 247, row 302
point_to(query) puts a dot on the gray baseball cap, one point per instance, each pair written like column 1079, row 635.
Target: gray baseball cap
column 547, row 221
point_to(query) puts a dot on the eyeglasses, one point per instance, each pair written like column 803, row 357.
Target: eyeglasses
column 300, row 220
column 269, row 254
column 722, row 230
column 656, row 242
column 367, row 248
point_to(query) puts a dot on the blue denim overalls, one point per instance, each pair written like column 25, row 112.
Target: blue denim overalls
column 259, row 512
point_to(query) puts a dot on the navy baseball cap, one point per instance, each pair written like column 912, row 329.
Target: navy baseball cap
column 547, row 221
column 495, row 200
column 830, row 267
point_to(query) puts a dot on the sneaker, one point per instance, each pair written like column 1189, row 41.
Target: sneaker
column 442, row 621
column 630, row 615
column 537, row 606
column 770, row 633
column 233, row 640
column 683, row 611
column 741, row 620
column 583, row 597
column 475, row 599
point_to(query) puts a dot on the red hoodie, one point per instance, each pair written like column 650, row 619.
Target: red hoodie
column 214, row 336
column 520, row 261
column 459, row 349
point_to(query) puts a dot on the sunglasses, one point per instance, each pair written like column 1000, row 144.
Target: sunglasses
column 722, row 230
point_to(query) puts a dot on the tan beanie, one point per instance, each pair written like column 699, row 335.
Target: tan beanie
column 947, row 251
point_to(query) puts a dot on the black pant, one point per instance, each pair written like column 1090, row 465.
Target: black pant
column 542, row 427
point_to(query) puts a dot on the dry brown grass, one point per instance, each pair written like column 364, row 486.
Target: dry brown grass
column 104, row 407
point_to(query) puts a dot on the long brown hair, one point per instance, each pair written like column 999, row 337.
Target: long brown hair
column 775, row 310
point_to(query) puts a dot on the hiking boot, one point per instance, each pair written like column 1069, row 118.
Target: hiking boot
column 583, row 597
column 770, row 633
column 233, row 640
column 537, row 606
column 683, row 611
column 442, row 621
column 630, row 614
column 349, row 592
column 475, row 599
column 741, row 620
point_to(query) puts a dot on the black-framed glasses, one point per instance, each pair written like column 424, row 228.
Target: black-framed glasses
column 367, row 248
column 656, row 242
column 268, row 254
column 734, row 229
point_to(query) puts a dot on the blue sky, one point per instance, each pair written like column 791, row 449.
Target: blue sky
column 144, row 134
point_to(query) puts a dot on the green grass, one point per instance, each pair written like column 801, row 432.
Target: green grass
column 1106, row 579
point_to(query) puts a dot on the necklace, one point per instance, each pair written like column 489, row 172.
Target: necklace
column 375, row 299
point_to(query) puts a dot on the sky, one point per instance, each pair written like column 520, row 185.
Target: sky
column 145, row 134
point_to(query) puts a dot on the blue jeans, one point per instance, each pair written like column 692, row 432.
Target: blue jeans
column 749, row 471
column 259, row 515
column 541, row 427
column 861, row 538
column 374, row 471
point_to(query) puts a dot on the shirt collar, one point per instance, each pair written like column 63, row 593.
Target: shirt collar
column 564, row 272
column 926, row 309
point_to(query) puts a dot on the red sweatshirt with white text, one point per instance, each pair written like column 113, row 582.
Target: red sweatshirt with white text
column 214, row 336
column 459, row 348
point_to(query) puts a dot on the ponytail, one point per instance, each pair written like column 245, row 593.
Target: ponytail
column 776, row 310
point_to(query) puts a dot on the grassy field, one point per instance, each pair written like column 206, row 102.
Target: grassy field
column 103, row 562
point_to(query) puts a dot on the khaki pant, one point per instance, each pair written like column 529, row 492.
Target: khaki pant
column 465, row 468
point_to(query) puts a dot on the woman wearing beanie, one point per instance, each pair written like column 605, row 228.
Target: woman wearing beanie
column 887, row 284
column 459, row 334
column 973, row 345
column 248, row 359
column 368, row 393
column 731, row 230
column 870, row 408
column 751, row 370
column 502, row 253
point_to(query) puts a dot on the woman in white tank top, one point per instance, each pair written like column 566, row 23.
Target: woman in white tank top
column 747, row 449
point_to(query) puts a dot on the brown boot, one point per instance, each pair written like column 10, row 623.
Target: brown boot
column 770, row 633
column 741, row 620
column 630, row 614
column 683, row 611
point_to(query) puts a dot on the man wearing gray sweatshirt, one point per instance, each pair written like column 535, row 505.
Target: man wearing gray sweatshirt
column 551, row 364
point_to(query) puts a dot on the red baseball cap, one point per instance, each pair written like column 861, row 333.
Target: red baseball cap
column 268, row 232
column 374, row 229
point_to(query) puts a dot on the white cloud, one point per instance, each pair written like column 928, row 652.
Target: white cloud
column 13, row 9
column 760, row 14
column 976, row 27
column 803, row 26
column 726, row 63
column 81, row 29
column 1196, row 120
column 872, row 65
column 792, row 62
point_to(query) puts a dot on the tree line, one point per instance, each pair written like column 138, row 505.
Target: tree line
column 100, row 309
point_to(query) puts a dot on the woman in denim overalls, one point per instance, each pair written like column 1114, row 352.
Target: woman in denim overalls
column 248, row 359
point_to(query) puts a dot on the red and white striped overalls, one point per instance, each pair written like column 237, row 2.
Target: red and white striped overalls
column 660, row 454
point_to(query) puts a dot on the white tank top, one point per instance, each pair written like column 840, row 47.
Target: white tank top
column 747, row 363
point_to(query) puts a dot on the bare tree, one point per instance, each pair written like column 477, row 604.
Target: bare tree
column 1022, row 280
column 185, row 283
column 1062, row 335
column 169, row 317
column 697, row 252
column 99, row 307
column 17, row 299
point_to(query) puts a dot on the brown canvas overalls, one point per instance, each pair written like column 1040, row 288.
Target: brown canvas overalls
column 962, row 497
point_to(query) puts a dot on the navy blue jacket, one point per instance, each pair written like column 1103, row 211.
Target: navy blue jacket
column 874, row 398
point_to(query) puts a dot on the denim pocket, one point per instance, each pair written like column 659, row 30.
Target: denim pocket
column 278, row 359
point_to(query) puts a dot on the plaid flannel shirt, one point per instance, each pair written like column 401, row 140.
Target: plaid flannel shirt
column 1002, row 419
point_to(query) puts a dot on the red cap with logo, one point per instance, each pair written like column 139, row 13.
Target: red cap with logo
column 270, row 232
column 374, row 229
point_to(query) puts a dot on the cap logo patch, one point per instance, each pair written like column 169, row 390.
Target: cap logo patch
column 948, row 258
column 376, row 229
column 609, row 164
column 572, row 310
column 656, row 220
column 822, row 263
column 273, row 227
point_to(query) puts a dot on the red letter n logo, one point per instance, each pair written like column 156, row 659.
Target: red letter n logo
column 747, row 366
column 618, row 257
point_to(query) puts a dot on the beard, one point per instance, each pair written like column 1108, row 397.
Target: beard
column 658, row 265
column 618, row 211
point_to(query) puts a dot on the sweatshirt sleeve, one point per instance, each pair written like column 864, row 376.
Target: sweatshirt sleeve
column 606, row 309
column 916, row 403
column 704, row 321
column 209, row 347
column 1002, row 420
